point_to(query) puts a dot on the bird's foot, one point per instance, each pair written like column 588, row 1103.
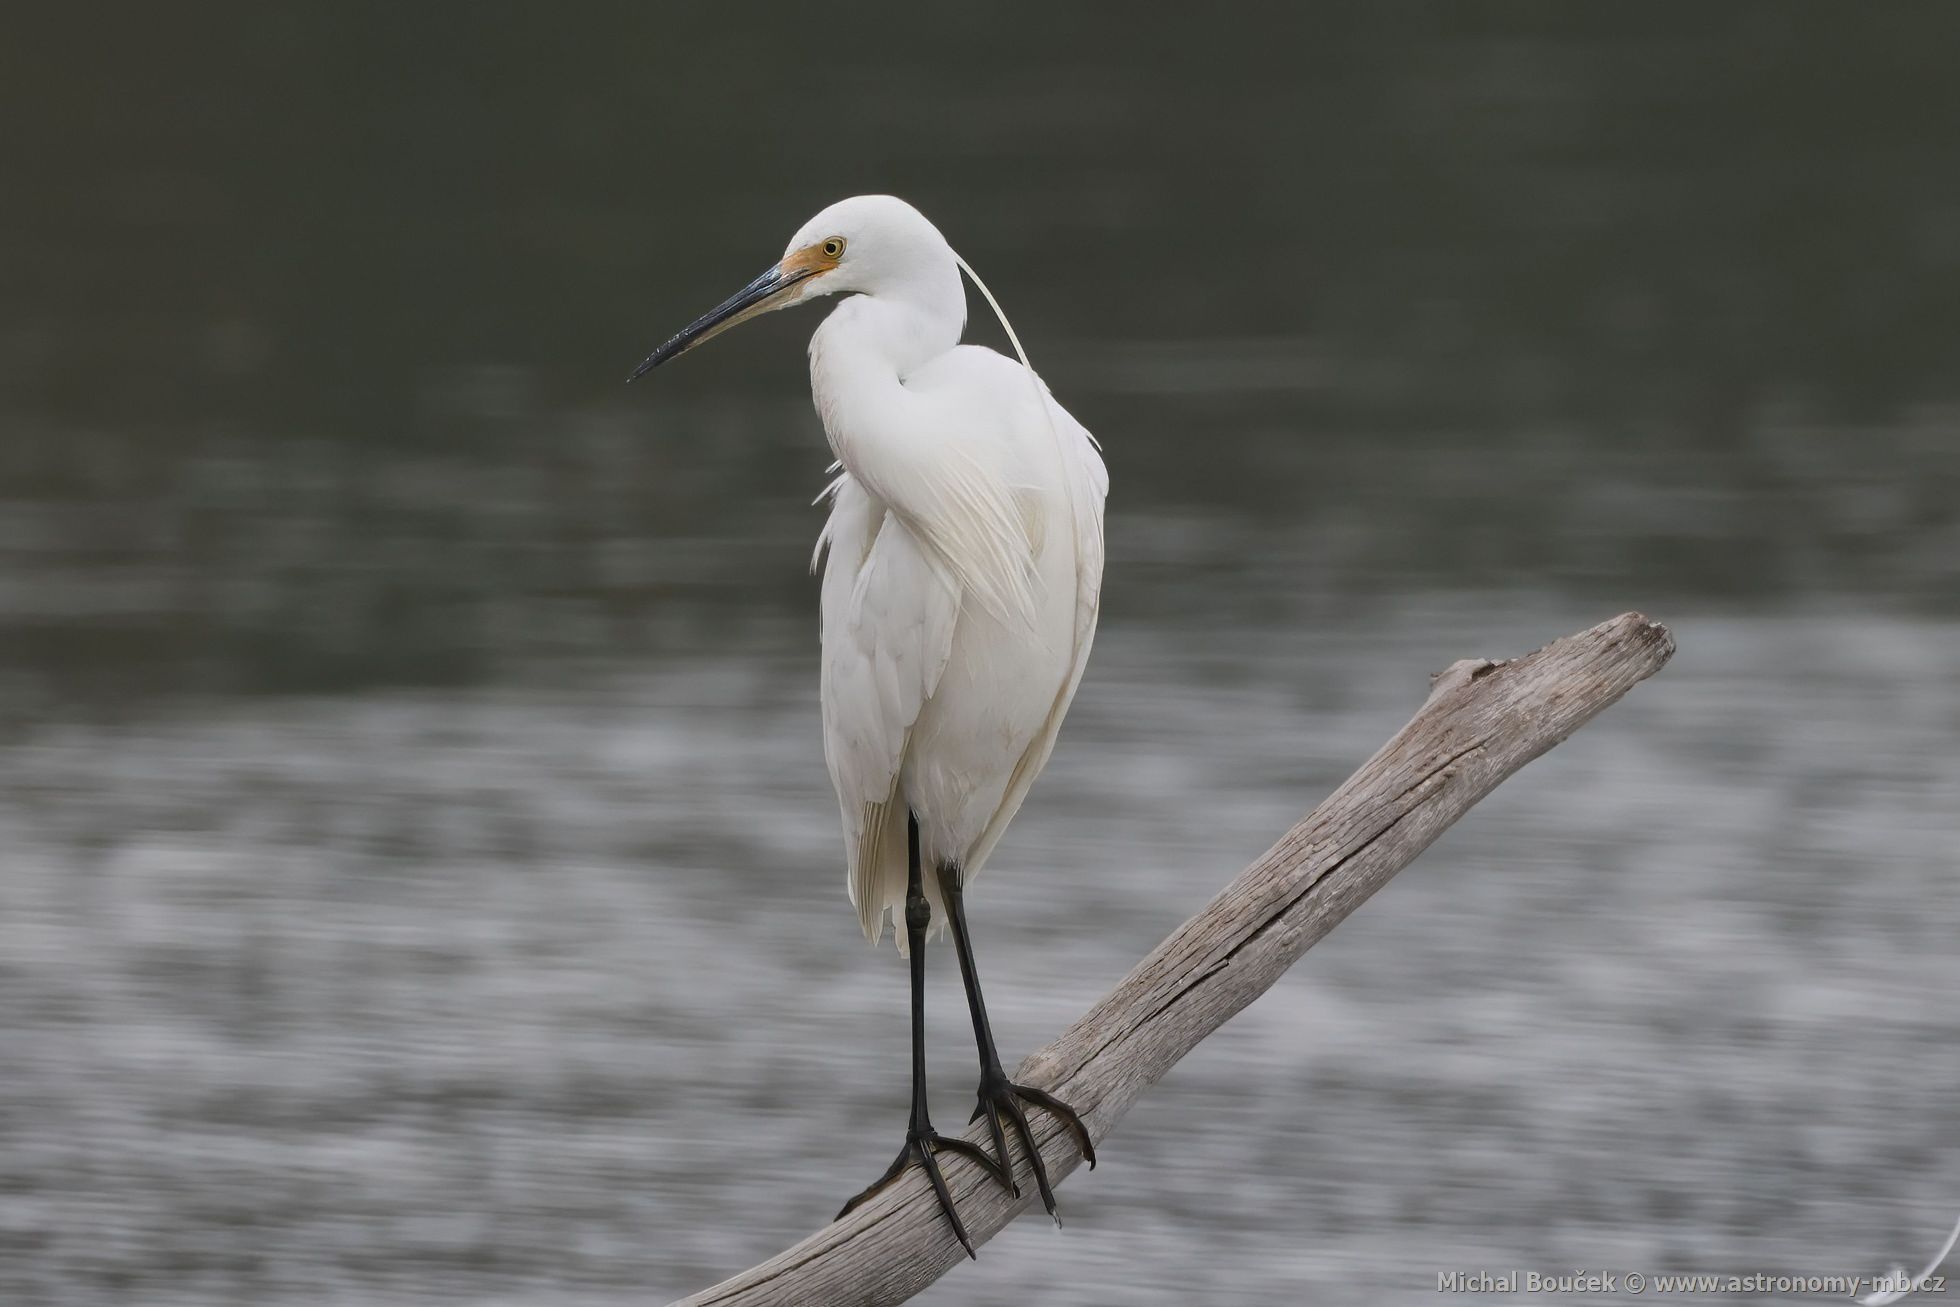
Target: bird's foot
column 921, row 1145
column 1001, row 1100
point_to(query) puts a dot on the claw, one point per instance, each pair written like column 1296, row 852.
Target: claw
column 928, row 1157
column 1001, row 1097
column 924, row 1146
column 1062, row 1112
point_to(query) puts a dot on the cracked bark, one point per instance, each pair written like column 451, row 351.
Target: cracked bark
column 1482, row 722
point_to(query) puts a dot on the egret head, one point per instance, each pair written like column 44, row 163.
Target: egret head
column 866, row 245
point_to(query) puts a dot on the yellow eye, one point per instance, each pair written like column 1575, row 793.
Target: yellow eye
column 833, row 248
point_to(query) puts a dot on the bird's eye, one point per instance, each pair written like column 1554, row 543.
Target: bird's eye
column 834, row 248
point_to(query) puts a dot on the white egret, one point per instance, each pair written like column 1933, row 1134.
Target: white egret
column 959, row 599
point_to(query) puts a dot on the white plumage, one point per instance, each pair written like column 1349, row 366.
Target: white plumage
column 963, row 569
column 957, row 616
column 964, row 547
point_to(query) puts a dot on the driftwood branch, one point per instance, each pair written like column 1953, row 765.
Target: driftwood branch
column 1482, row 722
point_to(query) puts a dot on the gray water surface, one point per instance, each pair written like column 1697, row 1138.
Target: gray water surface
column 536, row 995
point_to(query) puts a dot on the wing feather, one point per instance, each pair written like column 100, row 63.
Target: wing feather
column 889, row 608
column 1087, row 486
column 966, row 516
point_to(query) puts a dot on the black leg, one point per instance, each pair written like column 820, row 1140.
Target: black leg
column 922, row 1142
column 1000, row 1097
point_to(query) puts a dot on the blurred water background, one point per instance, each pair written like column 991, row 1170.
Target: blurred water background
column 420, row 882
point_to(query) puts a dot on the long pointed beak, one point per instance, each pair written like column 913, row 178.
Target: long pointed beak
column 758, row 297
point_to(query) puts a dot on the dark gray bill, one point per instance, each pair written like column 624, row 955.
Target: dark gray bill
column 744, row 303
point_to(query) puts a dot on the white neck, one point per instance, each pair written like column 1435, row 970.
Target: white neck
column 906, row 324
column 862, row 353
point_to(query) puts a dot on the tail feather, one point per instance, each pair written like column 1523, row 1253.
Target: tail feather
column 878, row 876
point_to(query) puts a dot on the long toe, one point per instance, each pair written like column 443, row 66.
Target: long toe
column 877, row 1186
column 1062, row 1112
column 924, row 1147
column 1003, row 1100
column 928, row 1156
column 1005, row 1168
column 975, row 1154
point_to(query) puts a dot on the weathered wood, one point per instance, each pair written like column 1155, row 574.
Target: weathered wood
column 1482, row 722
